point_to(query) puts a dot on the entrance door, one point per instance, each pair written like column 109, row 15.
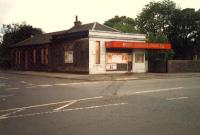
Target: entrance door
column 139, row 61
column 26, row 59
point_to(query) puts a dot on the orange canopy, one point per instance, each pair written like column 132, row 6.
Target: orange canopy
column 138, row 45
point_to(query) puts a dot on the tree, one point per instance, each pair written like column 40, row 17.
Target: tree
column 123, row 24
column 158, row 54
column 185, row 33
column 14, row 33
column 155, row 17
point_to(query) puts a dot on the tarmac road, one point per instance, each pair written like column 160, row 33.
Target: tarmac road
column 31, row 105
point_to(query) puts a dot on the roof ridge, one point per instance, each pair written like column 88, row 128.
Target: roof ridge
column 95, row 23
column 110, row 27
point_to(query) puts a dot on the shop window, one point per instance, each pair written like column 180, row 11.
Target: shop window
column 139, row 57
column 46, row 56
column 34, row 56
column 97, row 52
column 42, row 55
column 68, row 56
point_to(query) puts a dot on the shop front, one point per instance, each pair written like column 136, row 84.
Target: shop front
column 129, row 56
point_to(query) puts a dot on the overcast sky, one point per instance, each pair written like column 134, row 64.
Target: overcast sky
column 55, row 15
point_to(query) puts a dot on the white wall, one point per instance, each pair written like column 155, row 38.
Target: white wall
column 93, row 67
column 105, row 37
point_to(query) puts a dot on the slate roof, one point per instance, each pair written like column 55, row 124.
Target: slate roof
column 47, row 37
column 92, row 26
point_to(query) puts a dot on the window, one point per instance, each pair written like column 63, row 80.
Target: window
column 34, row 56
column 42, row 55
column 46, row 56
column 68, row 57
column 97, row 52
column 17, row 57
column 139, row 57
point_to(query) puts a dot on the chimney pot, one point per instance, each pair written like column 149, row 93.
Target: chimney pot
column 77, row 22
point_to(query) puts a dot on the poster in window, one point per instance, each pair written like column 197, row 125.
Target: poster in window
column 68, row 56
column 116, row 58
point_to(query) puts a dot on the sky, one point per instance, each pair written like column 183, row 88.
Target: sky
column 55, row 15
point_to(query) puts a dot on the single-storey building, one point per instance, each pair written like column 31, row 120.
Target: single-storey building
column 85, row 48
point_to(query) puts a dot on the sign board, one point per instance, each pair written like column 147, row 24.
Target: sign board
column 68, row 57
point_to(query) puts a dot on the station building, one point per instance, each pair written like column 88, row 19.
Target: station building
column 85, row 48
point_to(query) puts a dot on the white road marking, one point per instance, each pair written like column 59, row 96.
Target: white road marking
column 178, row 98
column 61, row 84
column 4, row 78
column 44, row 85
column 12, row 88
column 65, row 84
column 65, row 110
column 66, row 105
column 3, row 118
column 3, row 96
column 23, row 82
column 2, row 85
column 159, row 90
column 6, row 115
column 74, row 101
column 80, row 83
column 124, row 79
column 30, row 87
column 54, row 103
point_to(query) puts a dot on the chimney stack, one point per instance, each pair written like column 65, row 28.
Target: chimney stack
column 77, row 22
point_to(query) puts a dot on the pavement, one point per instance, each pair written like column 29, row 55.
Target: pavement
column 103, row 77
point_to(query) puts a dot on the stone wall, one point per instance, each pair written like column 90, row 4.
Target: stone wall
column 173, row 66
column 176, row 66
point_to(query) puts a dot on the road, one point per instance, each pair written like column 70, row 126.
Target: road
column 31, row 105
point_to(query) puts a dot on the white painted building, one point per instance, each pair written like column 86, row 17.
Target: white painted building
column 120, row 56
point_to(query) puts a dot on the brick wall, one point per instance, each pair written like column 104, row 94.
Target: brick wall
column 31, row 66
column 80, row 48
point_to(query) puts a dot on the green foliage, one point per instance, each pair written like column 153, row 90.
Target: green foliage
column 123, row 24
column 161, row 55
column 181, row 27
column 185, row 33
column 14, row 33
column 155, row 17
column 157, row 38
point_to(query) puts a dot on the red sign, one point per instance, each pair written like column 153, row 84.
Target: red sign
column 138, row 45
